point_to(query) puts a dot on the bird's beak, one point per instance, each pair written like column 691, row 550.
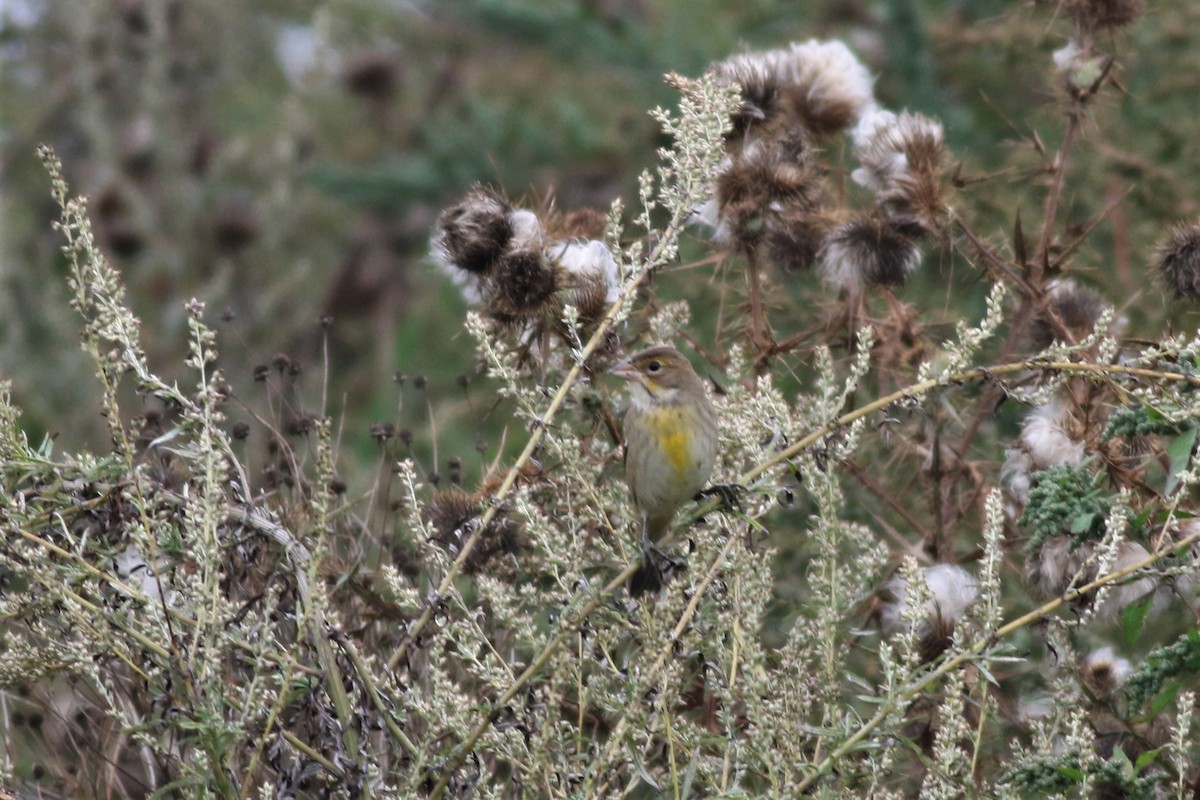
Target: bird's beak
column 626, row 371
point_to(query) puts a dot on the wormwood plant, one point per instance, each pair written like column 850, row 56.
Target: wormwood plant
column 970, row 605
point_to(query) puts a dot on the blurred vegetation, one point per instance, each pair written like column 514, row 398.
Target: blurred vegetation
column 285, row 163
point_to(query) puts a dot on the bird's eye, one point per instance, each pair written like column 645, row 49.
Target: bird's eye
column 653, row 366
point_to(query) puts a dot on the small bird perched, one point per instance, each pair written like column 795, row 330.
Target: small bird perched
column 670, row 443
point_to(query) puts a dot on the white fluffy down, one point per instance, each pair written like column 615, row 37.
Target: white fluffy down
column 829, row 73
column 882, row 141
column 952, row 591
column 590, row 259
column 1046, row 438
column 1056, row 566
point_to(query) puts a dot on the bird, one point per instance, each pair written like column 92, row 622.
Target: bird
column 671, row 441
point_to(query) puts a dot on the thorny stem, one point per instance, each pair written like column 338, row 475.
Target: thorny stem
column 946, row 667
column 758, row 329
column 1054, row 197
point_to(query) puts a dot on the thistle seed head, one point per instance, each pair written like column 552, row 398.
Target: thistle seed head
column 869, row 251
column 1179, row 262
column 472, row 234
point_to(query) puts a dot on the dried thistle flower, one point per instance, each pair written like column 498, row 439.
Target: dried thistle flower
column 1015, row 474
column 1179, row 262
column 1096, row 15
column 521, row 285
column 827, row 86
column 590, row 273
column 1047, row 435
column 473, row 234
column 755, row 74
column 237, row 223
column 1077, row 307
column 1104, row 672
column 589, row 261
column 901, row 157
column 1061, row 562
column 795, row 240
column 767, row 178
column 869, row 251
column 584, row 223
column 371, row 74
column 952, row 590
column 454, row 515
column 820, row 86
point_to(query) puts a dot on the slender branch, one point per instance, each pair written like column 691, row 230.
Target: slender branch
column 916, row 390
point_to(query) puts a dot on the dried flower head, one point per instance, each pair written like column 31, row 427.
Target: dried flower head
column 521, row 285
column 826, row 86
column 795, row 240
column 767, row 178
column 1061, row 562
column 1077, row 307
column 869, row 251
column 820, row 86
column 952, row 590
column 1179, row 262
column 1095, row 15
column 590, row 272
column 237, row 223
column 583, row 223
column 756, row 74
column 1015, row 475
column 371, row 74
column 454, row 515
column 1104, row 672
column 1055, row 565
column 901, row 157
column 473, row 234
column 1049, row 436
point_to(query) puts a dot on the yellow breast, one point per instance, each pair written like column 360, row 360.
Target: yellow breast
column 674, row 437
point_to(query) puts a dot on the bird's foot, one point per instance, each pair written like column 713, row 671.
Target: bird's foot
column 657, row 569
column 730, row 495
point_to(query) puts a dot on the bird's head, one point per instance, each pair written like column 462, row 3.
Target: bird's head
column 657, row 372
